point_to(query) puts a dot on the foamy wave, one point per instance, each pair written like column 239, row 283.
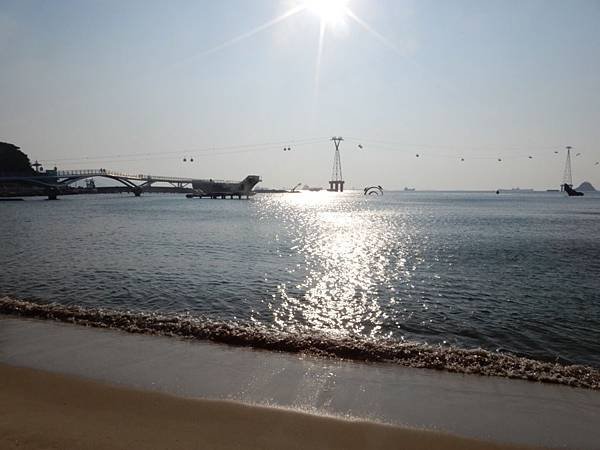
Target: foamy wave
column 451, row 359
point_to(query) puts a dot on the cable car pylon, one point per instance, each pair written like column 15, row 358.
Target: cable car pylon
column 336, row 184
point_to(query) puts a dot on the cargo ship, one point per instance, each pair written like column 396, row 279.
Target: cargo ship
column 222, row 189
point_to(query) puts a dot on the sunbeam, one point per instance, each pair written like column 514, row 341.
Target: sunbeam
column 381, row 38
column 331, row 13
column 256, row 30
column 315, row 99
column 442, row 83
column 319, row 56
column 250, row 33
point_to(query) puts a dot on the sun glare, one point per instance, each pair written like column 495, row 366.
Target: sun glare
column 330, row 12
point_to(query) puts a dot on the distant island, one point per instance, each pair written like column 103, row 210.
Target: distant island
column 586, row 186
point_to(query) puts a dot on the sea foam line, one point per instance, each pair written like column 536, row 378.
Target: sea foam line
column 452, row 359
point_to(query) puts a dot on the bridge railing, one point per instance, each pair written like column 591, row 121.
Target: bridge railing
column 97, row 172
column 86, row 173
column 211, row 180
column 128, row 176
column 113, row 173
column 166, row 179
column 46, row 174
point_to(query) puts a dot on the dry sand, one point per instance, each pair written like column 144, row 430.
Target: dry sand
column 44, row 410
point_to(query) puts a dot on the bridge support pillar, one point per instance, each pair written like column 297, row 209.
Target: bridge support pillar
column 52, row 193
column 137, row 191
column 336, row 186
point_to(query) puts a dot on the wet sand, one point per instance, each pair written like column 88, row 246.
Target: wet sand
column 452, row 359
column 43, row 410
column 489, row 409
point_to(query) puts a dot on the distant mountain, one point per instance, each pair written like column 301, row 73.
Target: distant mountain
column 586, row 186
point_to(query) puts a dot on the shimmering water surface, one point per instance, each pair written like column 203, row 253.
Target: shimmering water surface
column 517, row 273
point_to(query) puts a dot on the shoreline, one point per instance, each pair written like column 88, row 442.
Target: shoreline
column 488, row 409
column 447, row 359
column 47, row 410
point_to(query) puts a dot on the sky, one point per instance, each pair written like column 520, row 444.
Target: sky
column 138, row 86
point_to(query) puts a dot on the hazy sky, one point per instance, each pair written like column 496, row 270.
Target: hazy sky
column 143, row 84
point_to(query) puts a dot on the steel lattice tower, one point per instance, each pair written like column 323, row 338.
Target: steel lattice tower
column 567, row 177
column 337, row 182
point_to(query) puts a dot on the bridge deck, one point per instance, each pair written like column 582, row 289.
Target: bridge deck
column 52, row 177
column 116, row 174
column 55, row 181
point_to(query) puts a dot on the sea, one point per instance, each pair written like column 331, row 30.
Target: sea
column 470, row 282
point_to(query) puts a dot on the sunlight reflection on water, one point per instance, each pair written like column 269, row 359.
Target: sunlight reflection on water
column 353, row 256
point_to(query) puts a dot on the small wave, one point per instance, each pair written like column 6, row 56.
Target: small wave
column 481, row 362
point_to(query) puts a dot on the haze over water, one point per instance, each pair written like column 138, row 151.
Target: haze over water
column 516, row 273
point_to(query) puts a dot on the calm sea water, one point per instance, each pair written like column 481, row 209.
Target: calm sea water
column 518, row 273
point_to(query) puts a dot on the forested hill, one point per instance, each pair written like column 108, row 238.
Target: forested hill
column 14, row 161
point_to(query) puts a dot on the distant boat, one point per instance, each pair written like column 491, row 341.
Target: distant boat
column 407, row 189
column 306, row 187
column 516, row 190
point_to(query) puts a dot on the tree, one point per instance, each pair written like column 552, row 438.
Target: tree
column 13, row 161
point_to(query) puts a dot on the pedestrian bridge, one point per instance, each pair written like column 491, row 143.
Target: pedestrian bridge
column 55, row 181
column 66, row 177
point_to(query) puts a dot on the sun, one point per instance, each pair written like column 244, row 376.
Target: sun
column 331, row 12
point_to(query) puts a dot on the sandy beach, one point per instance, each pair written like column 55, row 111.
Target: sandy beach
column 68, row 386
column 44, row 410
